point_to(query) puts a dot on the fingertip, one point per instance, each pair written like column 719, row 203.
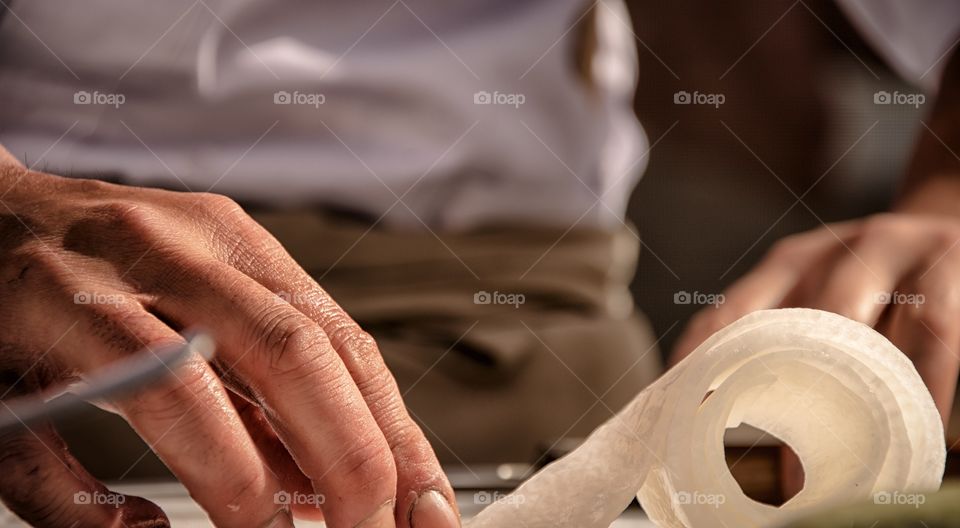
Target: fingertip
column 432, row 509
column 138, row 512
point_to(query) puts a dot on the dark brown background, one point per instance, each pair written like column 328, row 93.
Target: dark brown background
column 799, row 99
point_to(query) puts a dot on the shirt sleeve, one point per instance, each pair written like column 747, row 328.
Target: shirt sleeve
column 916, row 37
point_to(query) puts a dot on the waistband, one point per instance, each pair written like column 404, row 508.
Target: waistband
column 434, row 288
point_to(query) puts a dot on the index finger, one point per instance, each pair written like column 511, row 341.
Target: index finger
column 285, row 363
column 424, row 495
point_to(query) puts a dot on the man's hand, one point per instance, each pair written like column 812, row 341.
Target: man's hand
column 298, row 400
column 897, row 272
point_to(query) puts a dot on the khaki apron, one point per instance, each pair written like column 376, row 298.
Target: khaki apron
column 502, row 340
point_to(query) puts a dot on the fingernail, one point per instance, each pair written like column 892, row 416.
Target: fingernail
column 140, row 513
column 433, row 511
column 382, row 518
column 281, row 519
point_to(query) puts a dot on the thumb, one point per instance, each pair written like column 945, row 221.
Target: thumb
column 44, row 485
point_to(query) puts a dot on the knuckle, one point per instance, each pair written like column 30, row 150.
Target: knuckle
column 841, row 304
column 369, row 468
column 374, row 380
column 173, row 400
column 305, row 366
column 93, row 186
column 290, row 337
column 404, row 435
column 218, row 203
column 880, row 225
column 230, row 229
column 348, row 335
column 294, row 345
column 948, row 238
column 859, row 305
column 379, row 389
column 130, row 219
column 785, row 249
column 230, row 246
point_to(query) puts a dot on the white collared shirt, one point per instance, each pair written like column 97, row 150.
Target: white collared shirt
column 441, row 113
column 445, row 113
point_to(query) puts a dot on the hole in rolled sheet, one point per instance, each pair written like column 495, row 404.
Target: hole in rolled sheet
column 757, row 460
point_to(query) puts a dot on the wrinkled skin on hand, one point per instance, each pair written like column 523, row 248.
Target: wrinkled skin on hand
column 298, row 398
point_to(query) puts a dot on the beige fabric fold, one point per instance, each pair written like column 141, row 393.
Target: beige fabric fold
column 493, row 381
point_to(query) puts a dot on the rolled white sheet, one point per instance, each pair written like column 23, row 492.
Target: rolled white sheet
column 847, row 401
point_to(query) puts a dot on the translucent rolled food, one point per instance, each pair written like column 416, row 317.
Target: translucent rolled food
column 847, row 401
